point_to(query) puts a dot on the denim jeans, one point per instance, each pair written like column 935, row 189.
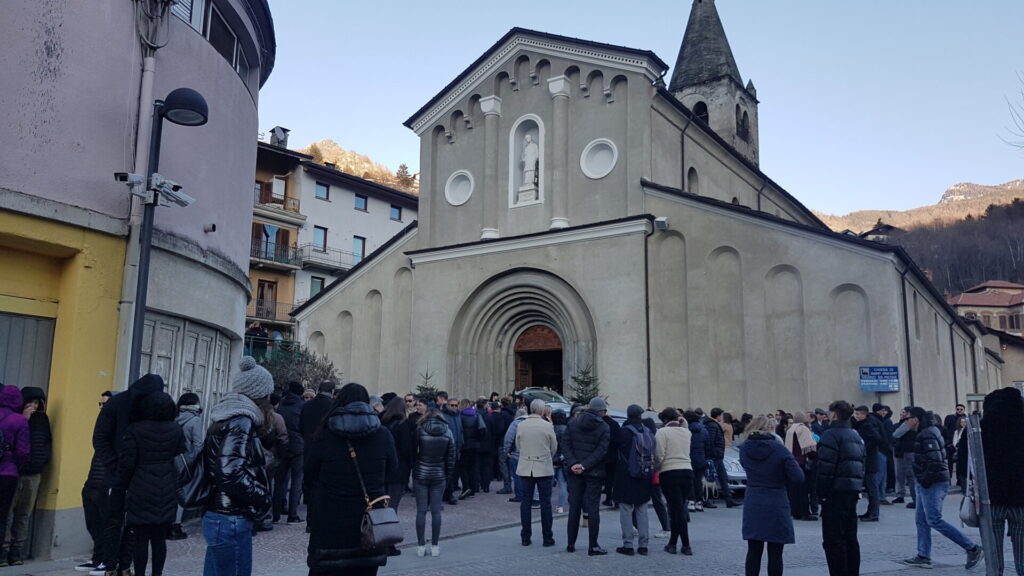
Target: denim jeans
column 228, row 545
column 883, row 475
column 928, row 515
column 517, row 482
column 543, row 485
column 563, row 487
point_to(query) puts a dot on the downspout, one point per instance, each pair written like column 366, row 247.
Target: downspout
column 647, row 304
column 952, row 352
column 906, row 335
column 759, row 191
column 149, row 43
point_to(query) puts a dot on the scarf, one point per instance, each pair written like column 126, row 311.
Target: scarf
column 803, row 436
column 232, row 405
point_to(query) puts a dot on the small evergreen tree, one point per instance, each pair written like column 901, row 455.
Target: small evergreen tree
column 585, row 386
column 426, row 391
column 405, row 179
column 299, row 365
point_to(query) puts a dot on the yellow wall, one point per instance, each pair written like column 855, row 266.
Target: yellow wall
column 285, row 283
column 51, row 269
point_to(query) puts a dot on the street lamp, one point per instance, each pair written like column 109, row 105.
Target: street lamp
column 185, row 107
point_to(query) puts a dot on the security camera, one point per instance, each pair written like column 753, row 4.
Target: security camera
column 129, row 178
column 169, row 191
column 661, row 223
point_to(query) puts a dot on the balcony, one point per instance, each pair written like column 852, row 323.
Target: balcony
column 268, row 311
column 313, row 256
column 271, row 255
column 265, row 195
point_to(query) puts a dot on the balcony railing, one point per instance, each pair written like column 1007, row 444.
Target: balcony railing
column 279, row 253
column 267, row 196
column 262, row 348
column 313, row 255
column 269, row 310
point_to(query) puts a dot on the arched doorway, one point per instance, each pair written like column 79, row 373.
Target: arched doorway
column 539, row 359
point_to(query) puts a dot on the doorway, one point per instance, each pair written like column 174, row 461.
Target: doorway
column 538, row 353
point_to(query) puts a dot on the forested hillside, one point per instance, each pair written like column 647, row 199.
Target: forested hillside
column 968, row 252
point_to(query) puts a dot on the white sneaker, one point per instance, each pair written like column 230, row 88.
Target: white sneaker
column 662, row 534
column 691, row 507
column 100, row 570
column 421, row 551
column 86, row 567
column 435, row 551
column 560, row 510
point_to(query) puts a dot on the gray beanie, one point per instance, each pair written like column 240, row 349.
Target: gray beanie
column 252, row 380
column 597, row 404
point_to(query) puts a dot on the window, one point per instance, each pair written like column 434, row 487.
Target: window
column 320, row 238
column 396, row 213
column 316, row 284
column 361, row 202
column 242, row 64
column 220, row 36
column 323, row 191
column 1002, row 322
column 358, row 249
column 701, row 110
column 191, row 11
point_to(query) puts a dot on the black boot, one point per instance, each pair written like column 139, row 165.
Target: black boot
column 177, row 533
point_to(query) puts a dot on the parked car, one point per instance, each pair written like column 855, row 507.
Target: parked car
column 559, row 402
column 737, row 475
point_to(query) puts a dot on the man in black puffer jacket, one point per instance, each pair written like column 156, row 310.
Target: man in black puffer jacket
column 932, row 475
column 840, row 477
column 585, row 446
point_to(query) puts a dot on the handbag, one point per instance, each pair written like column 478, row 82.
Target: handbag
column 380, row 527
column 969, row 505
column 193, row 489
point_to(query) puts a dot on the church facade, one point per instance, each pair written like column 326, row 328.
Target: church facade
column 577, row 213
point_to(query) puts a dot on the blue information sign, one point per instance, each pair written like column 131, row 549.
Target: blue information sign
column 880, row 378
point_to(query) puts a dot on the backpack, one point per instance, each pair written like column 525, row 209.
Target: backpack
column 641, row 453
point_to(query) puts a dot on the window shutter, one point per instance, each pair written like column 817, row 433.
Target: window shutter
column 183, row 9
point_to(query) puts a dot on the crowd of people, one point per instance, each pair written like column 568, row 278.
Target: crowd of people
column 338, row 450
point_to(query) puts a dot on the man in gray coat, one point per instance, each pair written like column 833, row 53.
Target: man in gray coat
column 537, row 446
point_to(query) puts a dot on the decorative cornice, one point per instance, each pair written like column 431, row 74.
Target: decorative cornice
column 550, row 47
column 286, row 216
column 553, row 238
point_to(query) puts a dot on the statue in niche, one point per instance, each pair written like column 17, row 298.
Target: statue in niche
column 530, row 163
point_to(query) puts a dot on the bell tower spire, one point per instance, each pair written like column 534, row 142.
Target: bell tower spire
column 707, row 80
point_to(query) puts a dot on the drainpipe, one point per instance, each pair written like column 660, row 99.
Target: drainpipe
column 682, row 154
column 759, row 191
column 647, row 305
column 906, row 335
column 126, row 306
column 952, row 352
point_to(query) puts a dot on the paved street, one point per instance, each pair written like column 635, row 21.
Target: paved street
column 482, row 534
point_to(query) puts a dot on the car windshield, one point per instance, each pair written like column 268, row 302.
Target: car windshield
column 544, row 395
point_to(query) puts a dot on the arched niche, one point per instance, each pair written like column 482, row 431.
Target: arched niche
column 520, row 152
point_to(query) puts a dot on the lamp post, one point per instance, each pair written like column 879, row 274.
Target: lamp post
column 185, row 107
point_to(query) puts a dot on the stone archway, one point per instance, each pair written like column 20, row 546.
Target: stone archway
column 481, row 344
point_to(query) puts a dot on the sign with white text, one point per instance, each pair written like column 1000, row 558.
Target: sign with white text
column 879, row 378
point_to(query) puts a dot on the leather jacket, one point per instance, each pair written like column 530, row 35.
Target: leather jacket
column 235, row 468
column 930, row 465
column 435, row 451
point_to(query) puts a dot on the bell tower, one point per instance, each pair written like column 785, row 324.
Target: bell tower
column 707, row 81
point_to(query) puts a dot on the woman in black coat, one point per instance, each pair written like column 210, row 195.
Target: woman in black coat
column 334, row 488
column 770, row 466
column 1001, row 432
column 403, row 432
column 147, row 471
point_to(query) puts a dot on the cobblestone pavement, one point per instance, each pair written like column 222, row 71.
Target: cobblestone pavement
column 482, row 534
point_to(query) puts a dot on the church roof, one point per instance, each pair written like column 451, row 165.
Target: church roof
column 705, row 54
column 652, row 62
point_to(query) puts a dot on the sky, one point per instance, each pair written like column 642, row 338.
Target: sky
column 865, row 104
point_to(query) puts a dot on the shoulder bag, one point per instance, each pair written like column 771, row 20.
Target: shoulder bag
column 969, row 505
column 381, row 527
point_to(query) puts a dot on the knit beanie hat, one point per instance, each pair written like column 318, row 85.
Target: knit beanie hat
column 597, row 404
column 252, row 380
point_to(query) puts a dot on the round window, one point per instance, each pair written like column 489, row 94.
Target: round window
column 459, row 188
column 599, row 158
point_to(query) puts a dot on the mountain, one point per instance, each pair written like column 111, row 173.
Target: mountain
column 352, row 162
column 958, row 202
